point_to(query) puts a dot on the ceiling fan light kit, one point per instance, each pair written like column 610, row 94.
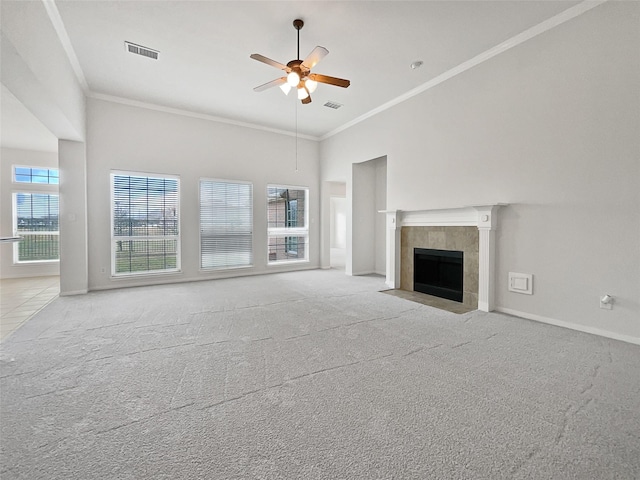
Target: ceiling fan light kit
column 286, row 88
column 298, row 72
column 310, row 85
column 302, row 93
column 293, row 78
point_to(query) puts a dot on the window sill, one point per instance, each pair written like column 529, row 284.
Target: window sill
column 36, row 262
column 129, row 276
column 285, row 262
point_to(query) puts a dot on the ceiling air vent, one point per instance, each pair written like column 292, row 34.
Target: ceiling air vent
column 334, row 105
column 140, row 50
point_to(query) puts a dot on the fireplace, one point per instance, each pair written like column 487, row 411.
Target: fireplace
column 468, row 229
column 438, row 272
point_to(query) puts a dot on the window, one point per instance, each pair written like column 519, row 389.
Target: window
column 145, row 224
column 288, row 226
column 36, row 221
column 36, row 175
column 226, row 224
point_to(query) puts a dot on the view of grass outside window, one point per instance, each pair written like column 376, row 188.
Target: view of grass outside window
column 145, row 230
column 226, row 224
column 288, row 227
column 36, row 221
column 36, row 175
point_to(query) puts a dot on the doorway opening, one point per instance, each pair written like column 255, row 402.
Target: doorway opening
column 338, row 226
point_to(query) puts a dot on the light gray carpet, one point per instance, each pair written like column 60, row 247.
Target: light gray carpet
column 309, row 375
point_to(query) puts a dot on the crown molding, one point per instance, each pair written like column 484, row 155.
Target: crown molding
column 201, row 116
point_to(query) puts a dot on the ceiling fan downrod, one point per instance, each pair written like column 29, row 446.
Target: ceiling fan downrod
column 297, row 72
column 298, row 24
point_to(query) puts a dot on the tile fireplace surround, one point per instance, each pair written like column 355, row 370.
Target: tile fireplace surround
column 464, row 239
column 483, row 217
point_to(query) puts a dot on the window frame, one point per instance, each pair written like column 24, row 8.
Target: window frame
column 221, row 268
column 113, row 239
column 14, row 219
column 283, row 232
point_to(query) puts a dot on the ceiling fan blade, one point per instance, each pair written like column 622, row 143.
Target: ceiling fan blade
column 338, row 82
column 268, row 61
column 273, row 83
column 314, row 57
column 306, row 100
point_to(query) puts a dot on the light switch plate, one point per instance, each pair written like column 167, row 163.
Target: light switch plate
column 521, row 283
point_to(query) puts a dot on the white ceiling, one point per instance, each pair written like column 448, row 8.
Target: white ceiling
column 204, row 64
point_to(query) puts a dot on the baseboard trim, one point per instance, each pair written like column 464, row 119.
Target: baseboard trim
column 74, row 292
column 570, row 325
column 236, row 274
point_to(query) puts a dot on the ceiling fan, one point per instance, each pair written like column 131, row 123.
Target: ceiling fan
column 298, row 72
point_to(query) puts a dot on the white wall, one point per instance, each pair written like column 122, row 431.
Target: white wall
column 122, row 137
column 73, row 218
column 550, row 127
column 36, row 69
column 8, row 158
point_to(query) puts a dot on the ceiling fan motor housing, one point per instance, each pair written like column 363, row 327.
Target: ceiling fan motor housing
column 298, row 67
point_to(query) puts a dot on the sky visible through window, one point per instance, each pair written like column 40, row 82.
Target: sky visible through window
column 36, row 175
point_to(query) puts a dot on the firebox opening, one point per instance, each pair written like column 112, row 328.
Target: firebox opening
column 438, row 273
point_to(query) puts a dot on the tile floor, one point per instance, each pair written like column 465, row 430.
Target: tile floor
column 20, row 298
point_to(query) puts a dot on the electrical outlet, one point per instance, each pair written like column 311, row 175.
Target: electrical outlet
column 103, row 270
column 606, row 302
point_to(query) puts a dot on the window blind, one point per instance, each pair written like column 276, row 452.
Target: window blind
column 226, row 224
column 36, row 220
column 145, row 233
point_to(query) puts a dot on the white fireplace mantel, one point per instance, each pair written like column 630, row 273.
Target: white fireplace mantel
column 482, row 216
